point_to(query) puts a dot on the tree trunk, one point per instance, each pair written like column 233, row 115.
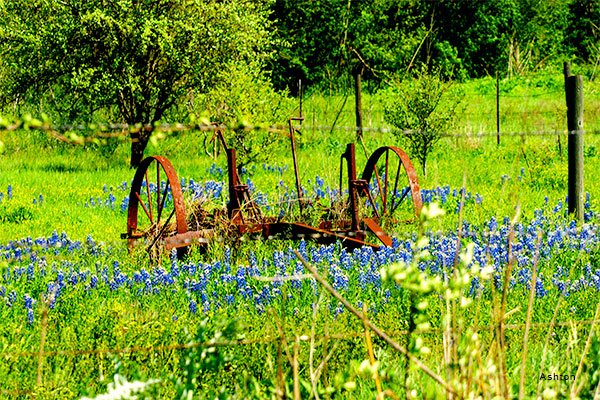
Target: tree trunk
column 139, row 141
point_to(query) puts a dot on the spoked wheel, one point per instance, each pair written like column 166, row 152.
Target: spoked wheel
column 156, row 208
column 385, row 190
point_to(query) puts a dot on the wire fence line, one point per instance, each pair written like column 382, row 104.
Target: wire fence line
column 479, row 134
column 246, row 342
column 67, row 133
column 370, row 109
column 269, row 340
column 524, row 96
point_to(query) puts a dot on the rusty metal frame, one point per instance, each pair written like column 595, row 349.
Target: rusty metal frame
column 246, row 219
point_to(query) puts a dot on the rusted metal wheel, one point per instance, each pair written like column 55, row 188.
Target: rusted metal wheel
column 156, row 208
column 384, row 190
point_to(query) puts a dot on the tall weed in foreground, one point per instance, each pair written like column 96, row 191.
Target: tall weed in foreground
column 469, row 373
column 472, row 367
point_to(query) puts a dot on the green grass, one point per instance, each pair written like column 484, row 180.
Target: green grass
column 67, row 176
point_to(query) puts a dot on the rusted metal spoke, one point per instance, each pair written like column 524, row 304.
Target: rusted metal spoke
column 144, row 207
column 370, row 197
column 158, row 191
column 401, row 198
column 378, row 182
column 396, row 188
column 162, row 230
column 409, row 169
column 149, row 198
column 385, row 193
column 164, row 197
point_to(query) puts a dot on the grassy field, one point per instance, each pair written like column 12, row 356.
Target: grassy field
column 109, row 320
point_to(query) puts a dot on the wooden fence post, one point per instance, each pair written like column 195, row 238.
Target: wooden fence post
column 497, row 110
column 300, row 97
column 574, row 92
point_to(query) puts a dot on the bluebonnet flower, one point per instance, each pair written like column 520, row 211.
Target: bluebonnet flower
column 28, row 301
column 540, row 291
column 124, row 204
column 111, row 200
column 30, row 317
column 93, row 281
column 193, row 307
column 30, row 273
column 387, row 295
column 338, row 310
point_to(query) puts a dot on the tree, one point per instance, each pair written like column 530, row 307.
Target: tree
column 422, row 109
column 130, row 59
column 497, row 35
column 583, row 32
column 247, row 98
column 328, row 40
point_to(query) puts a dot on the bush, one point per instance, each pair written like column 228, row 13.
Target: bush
column 422, row 109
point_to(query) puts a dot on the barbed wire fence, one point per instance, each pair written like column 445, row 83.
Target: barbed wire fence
column 68, row 133
column 311, row 338
column 72, row 133
column 93, row 133
column 270, row 340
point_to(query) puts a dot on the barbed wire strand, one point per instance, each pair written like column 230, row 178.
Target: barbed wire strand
column 233, row 343
column 124, row 130
column 246, row 342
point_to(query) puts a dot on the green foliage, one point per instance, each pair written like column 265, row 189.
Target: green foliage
column 583, row 32
column 245, row 97
column 508, row 36
column 423, row 110
column 138, row 56
column 17, row 211
column 121, row 388
column 322, row 42
column 200, row 361
column 127, row 60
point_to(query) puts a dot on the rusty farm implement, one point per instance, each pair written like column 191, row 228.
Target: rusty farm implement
column 157, row 217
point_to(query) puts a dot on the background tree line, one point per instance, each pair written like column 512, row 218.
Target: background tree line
column 149, row 61
column 320, row 41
